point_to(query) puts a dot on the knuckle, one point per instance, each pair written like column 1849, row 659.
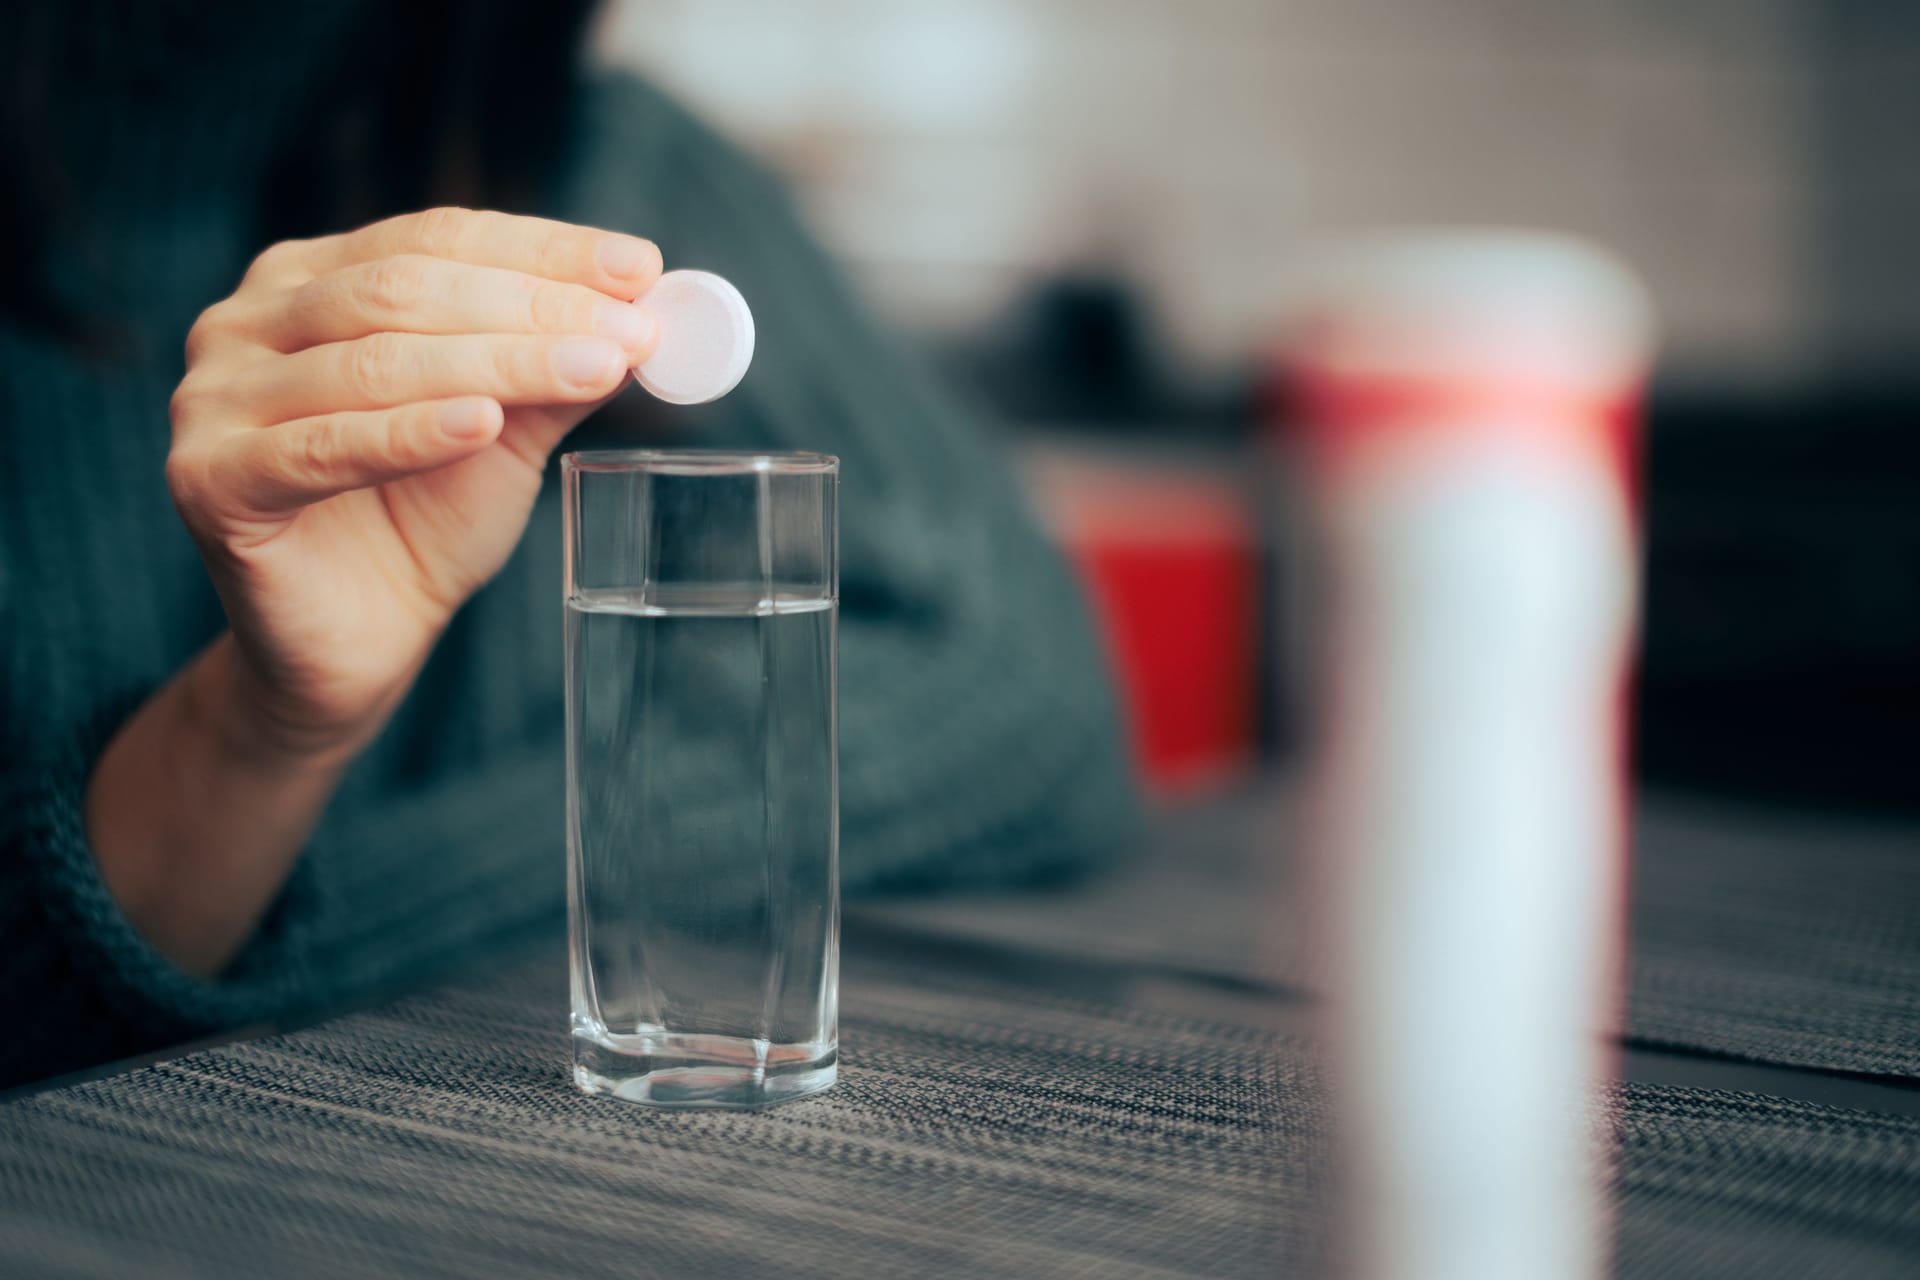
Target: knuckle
column 399, row 439
column 556, row 254
column 209, row 329
column 200, row 337
column 186, row 472
column 376, row 363
column 274, row 260
column 184, row 405
column 396, row 284
column 512, row 365
column 438, row 231
column 551, row 309
column 316, row 450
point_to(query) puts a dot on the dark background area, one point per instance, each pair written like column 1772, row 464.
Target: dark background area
column 1781, row 649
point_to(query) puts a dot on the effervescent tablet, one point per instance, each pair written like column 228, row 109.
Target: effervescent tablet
column 706, row 338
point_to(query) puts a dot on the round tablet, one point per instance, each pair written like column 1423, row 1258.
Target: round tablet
column 706, row 338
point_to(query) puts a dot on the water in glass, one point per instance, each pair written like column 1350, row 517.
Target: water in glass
column 702, row 819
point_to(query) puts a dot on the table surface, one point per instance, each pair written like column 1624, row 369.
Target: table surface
column 1113, row 1079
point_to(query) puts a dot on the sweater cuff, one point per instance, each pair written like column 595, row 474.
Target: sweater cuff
column 148, row 1000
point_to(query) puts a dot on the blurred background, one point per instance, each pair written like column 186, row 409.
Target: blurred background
column 1085, row 212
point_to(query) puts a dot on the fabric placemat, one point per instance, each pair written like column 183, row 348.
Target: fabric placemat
column 1781, row 938
column 984, row 1126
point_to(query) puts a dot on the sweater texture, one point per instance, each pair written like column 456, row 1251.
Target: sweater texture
column 979, row 742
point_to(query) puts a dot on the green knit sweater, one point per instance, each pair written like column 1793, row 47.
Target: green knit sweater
column 979, row 742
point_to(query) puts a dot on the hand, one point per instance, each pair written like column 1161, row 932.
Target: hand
column 359, row 439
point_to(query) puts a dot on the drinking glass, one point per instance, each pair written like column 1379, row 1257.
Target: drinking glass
column 702, row 601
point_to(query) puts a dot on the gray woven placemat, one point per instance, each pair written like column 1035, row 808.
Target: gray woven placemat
column 1784, row 938
column 984, row 1126
column 977, row 1130
column 1779, row 938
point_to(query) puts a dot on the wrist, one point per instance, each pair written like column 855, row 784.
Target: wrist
column 201, row 804
column 230, row 707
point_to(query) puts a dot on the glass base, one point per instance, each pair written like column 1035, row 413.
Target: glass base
column 668, row 1069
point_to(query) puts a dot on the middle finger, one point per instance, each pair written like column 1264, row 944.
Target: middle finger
column 415, row 293
column 387, row 369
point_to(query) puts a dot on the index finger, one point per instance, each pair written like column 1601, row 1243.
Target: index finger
column 620, row 266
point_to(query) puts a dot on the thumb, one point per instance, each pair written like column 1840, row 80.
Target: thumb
column 533, row 432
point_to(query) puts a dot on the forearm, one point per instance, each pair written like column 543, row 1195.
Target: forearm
column 197, row 813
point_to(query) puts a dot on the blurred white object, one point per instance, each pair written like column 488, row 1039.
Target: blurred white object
column 1467, row 403
column 706, row 338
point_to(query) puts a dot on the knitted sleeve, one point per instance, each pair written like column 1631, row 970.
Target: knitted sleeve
column 96, row 988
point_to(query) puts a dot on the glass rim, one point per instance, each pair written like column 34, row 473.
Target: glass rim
column 701, row 462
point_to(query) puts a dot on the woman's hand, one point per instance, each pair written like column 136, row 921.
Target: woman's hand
column 360, row 435
column 356, row 447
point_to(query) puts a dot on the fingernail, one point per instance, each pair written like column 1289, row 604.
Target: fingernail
column 624, row 257
column 629, row 326
column 466, row 419
column 587, row 362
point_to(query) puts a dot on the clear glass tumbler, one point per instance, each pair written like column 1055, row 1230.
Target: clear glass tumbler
column 702, row 600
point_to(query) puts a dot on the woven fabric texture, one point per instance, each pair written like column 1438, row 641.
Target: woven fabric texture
column 987, row 1123
column 1786, row 939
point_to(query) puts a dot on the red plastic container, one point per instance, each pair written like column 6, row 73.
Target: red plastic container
column 1170, row 555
